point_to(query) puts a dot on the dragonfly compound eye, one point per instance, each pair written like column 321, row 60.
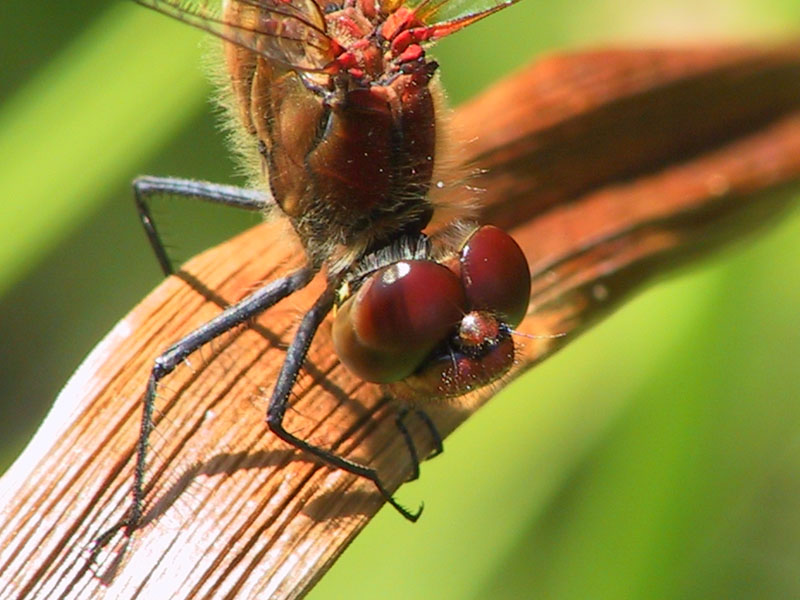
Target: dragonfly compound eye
column 436, row 330
column 495, row 274
column 496, row 280
column 402, row 312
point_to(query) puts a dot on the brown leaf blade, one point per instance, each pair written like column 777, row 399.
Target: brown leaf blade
column 618, row 165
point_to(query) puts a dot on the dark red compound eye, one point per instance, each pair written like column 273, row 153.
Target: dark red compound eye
column 496, row 278
column 401, row 313
column 495, row 274
column 436, row 330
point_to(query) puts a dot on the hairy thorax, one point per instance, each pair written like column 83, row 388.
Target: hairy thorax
column 348, row 144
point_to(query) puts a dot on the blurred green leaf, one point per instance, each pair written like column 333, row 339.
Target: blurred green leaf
column 85, row 120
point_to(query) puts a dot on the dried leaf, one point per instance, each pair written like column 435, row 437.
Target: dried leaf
column 608, row 167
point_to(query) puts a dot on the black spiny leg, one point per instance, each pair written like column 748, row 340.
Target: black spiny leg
column 280, row 399
column 234, row 315
column 215, row 193
column 400, row 423
column 438, row 448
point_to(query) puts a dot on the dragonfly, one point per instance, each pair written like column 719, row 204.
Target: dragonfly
column 338, row 105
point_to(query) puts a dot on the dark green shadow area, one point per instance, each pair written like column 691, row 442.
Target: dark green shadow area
column 33, row 32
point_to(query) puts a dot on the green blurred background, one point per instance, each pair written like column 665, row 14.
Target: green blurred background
column 657, row 457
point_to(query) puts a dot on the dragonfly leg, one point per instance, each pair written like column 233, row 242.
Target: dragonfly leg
column 228, row 195
column 438, row 445
column 278, row 404
column 234, row 315
column 438, row 448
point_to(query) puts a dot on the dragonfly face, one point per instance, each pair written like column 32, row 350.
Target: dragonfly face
column 436, row 328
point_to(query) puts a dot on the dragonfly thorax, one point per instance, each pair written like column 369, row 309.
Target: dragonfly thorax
column 348, row 150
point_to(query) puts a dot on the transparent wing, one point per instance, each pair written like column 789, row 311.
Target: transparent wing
column 288, row 31
column 443, row 17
